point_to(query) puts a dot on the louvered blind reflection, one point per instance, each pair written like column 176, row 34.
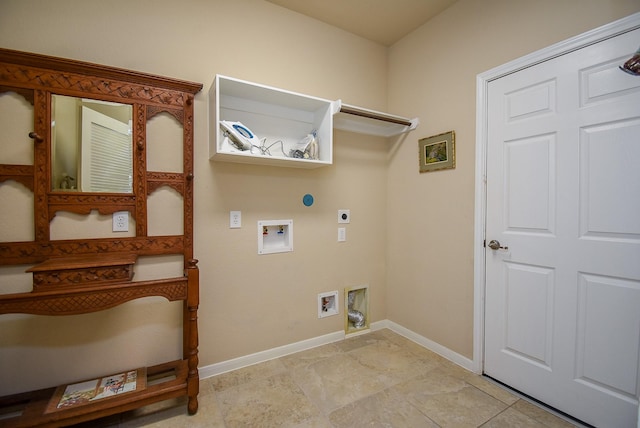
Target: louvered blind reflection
column 111, row 160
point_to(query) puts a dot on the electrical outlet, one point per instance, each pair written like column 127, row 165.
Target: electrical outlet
column 121, row 221
column 344, row 216
column 235, row 219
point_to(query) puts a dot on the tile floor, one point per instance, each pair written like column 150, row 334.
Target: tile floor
column 379, row 379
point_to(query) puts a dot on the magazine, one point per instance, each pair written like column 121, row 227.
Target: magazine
column 96, row 389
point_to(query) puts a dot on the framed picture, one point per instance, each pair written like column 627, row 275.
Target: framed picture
column 438, row 152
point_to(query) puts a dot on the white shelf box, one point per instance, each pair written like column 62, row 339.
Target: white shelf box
column 275, row 236
column 274, row 116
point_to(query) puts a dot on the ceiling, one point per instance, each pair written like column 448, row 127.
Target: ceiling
column 382, row 21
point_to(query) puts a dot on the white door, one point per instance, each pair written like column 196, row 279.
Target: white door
column 562, row 308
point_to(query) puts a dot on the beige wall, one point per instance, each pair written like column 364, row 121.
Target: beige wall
column 411, row 235
column 249, row 303
column 433, row 75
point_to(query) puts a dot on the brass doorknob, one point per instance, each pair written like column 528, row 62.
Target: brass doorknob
column 495, row 245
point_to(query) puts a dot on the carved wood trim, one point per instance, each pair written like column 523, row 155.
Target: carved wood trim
column 41, row 157
column 84, row 203
column 140, row 168
column 155, row 180
column 152, row 110
column 22, row 174
column 27, row 94
column 55, row 279
column 13, row 253
column 90, row 299
column 78, row 270
column 97, row 70
column 83, row 85
column 189, row 175
column 36, row 76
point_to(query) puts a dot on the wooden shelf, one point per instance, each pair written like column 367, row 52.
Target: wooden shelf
column 30, row 409
column 74, row 271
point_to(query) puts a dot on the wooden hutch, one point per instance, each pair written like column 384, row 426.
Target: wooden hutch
column 79, row 276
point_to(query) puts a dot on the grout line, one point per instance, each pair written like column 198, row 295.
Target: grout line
column 555, row 412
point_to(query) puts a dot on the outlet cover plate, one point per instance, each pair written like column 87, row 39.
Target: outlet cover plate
column 235, row 219
column 344, row 216
column 120, row 221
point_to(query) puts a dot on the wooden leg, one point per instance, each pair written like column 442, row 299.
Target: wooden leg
column 191, row 339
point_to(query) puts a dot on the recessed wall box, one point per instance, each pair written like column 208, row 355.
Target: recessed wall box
column 356, row 313
column 275, row 236
column 328, row 304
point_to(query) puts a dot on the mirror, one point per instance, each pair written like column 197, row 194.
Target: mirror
column 91, row 145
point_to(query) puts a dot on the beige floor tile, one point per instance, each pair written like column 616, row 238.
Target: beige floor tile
column 316, row 422
column 435, row 382
column 379, row 379
column 491, row 388
column 206, row 386
column 469, row 407
column 246, row 374
column 337, row 381
column 391, row 363
column 384, row 409
column 176, row 416
column 309, row 356
column 512, row 418
column 272, row 402
column 480, row 382
column 411, row 346
column 359, row 341
column 455, row 370
column 450, row 401
column 544, row 417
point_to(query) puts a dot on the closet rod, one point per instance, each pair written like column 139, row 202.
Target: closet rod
column 372, row 115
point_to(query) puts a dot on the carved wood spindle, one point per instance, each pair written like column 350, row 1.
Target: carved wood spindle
column 191, row 345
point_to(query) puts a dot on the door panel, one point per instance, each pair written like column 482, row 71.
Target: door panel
column 562, row 304
column 529, row 313
column 599, row 353
column 607, row 154
column 529, row 165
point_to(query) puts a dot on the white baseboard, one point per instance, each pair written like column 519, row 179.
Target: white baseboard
column 269, row 354
column 281, row 351
column 431, row 345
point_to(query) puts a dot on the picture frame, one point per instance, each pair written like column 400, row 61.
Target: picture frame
column 437, row 152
